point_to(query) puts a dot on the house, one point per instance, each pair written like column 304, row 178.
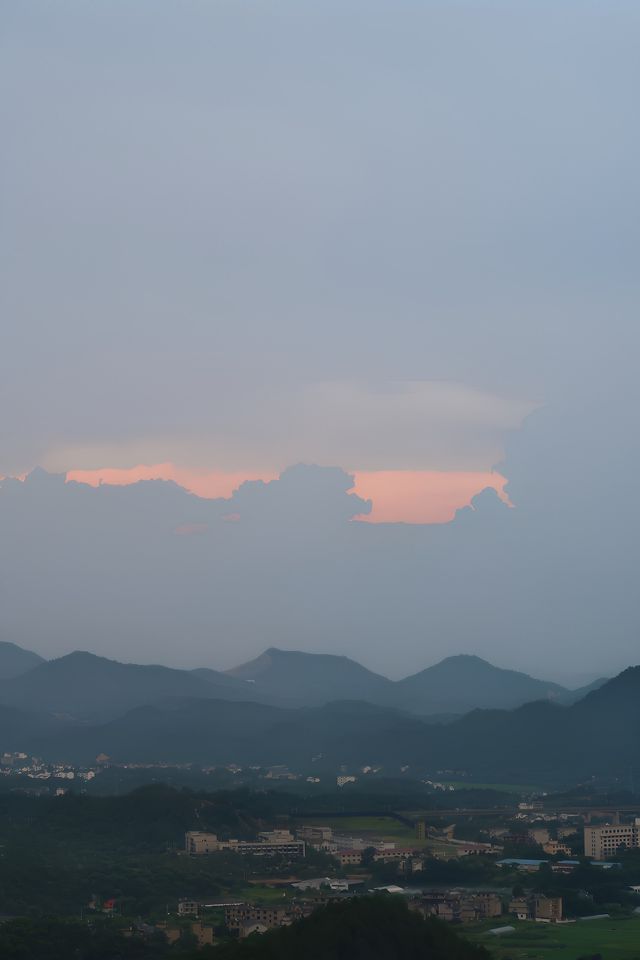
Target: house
column 201, row 931
column 541, row 908
column 342, row 780
column 245, row 916
column 519, row 863
column 188, row 908
column 547, row 909
column 349, row 857
column 458, row 907
column 554, row 847
column 520, row 907
column 247, row 927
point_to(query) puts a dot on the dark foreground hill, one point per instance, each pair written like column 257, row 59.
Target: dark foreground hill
column 223, row 732
column 362, row 928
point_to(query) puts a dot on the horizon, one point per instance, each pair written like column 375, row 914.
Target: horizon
column 584, row 679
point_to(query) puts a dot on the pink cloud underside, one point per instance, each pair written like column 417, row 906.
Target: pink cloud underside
column 409, row 496
column 422, row 496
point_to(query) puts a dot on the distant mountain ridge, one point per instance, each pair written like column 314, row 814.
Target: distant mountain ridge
column 14, row 660
column 87, row 687
column 464, row 682
column 455, row 685
column 84, row 686
column 292, row 676
column 543, row 741
column 81, row 705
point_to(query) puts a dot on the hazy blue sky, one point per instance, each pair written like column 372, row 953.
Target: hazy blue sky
column 240, row 235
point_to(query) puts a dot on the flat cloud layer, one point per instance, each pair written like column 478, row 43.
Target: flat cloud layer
column 209, row 208
column 414, row 426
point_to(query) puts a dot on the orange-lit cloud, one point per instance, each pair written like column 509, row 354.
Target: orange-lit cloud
column 409, row 496
column 421, row 496
column 209, row 484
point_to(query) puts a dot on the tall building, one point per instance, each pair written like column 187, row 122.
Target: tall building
column 547, row 908
column 605, row 841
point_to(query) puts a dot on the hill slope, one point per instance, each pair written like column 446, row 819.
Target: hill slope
column 375, row 928
column 463, row 683
column 86, row 687
column 539, row 741
column 14, row 660
column 455, row 686
column 292, row 677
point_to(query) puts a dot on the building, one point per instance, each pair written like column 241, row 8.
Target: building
column 188, row 908
column 540, row 835
column 315, row 834
column 520, row 907
column 334, row 884
column 349, row 858
column 606, row 840
column 244, row 919
column 344, row 779
column 388, row 854
column 456, row 907
column 554, row 847
column 197, row 843
column 547, row 909
column 201, row 931
column 274, row 843
column 471, row 848
column 521, row 863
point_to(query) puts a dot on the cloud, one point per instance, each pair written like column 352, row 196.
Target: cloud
column 260, row 428
column 541, row 586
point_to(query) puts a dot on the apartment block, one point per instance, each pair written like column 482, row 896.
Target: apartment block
column 274, row 843
column 603, row 842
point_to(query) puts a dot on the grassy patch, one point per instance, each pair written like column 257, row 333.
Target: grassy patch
column 359, row 826
column 504, row 787
column 614, row 939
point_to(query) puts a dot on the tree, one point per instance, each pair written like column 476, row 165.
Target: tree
column 362, row 928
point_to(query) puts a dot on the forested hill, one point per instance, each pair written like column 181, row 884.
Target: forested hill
column 365, row 928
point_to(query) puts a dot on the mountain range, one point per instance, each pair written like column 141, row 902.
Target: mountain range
column 540, row 741
column 313, row 711
column 85, row 687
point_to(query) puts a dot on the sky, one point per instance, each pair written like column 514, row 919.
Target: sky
column 395, row 238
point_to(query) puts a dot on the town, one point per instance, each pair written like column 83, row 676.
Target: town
column 526, row 889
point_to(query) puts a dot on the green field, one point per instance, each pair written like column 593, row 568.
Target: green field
column 504, row 787
column 382, row 828
column 614, row 939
